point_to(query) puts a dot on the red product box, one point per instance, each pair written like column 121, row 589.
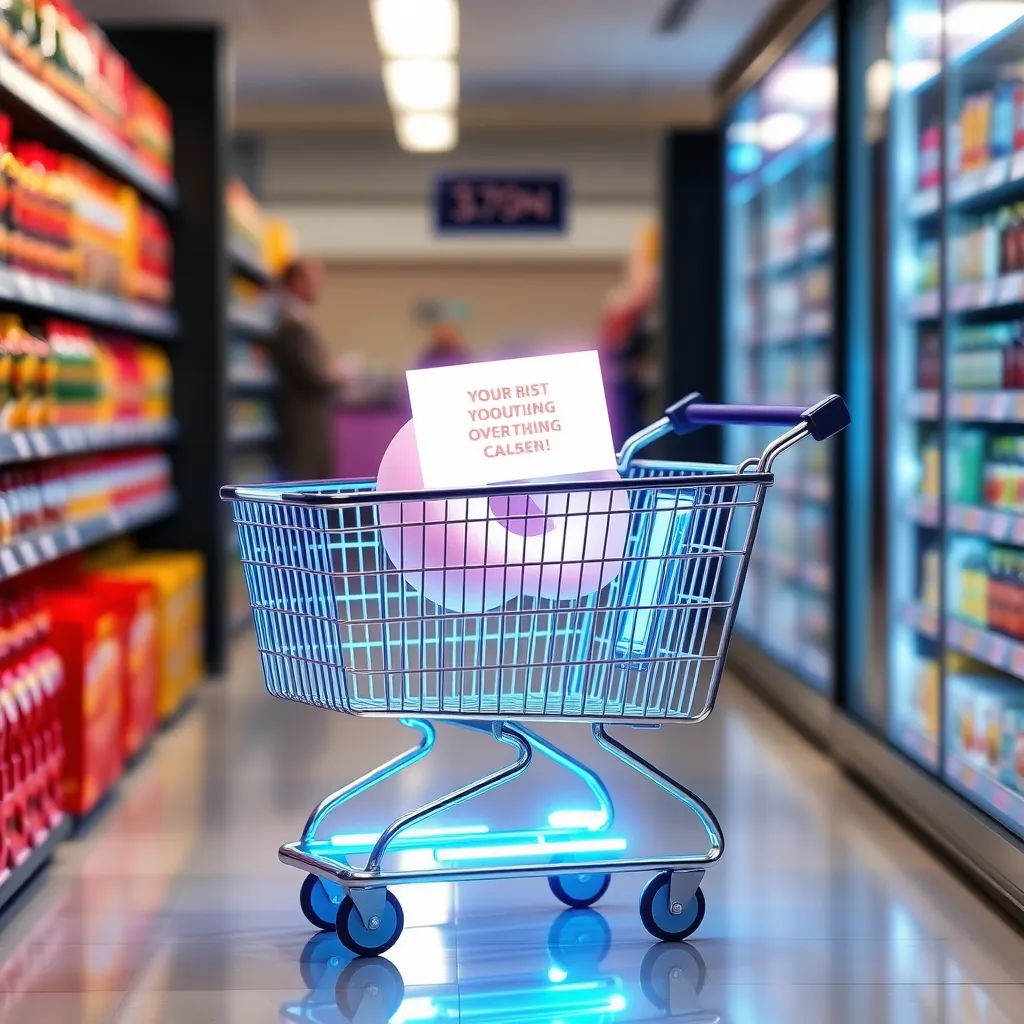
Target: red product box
column 134, row 602
column 87, row 637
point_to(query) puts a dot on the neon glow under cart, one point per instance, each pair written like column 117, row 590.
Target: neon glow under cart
column 606, row 602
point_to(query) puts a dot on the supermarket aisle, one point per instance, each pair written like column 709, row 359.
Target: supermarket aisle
column 175, row 908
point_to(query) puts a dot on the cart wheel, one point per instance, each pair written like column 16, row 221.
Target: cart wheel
column 578, row 940
column 371, row 990
column 657, row 916
column 672, row 975
column 316, row 902
column 365, row 941
column 579, row 891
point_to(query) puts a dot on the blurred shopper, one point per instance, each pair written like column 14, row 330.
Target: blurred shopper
column 307, row 381
column 629, row 341
column 445, row 342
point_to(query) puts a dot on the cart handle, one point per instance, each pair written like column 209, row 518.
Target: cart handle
column 824, row 419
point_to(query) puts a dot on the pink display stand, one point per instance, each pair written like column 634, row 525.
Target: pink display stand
column 361, row 437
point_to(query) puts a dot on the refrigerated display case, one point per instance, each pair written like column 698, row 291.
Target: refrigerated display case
column 779, row 337
column 931, row 560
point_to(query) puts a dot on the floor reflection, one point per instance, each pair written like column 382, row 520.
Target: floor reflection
column 576, row 974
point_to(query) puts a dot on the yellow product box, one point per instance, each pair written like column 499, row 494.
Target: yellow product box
column 178, row 577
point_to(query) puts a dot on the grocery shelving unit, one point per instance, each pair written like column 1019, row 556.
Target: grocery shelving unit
column 199, row 356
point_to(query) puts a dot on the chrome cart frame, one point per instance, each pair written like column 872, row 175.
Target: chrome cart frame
column 357, row 619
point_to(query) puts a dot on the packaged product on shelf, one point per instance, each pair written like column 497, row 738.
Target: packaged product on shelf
column 135, row 603
column 926, row 697
column 22, row 35
column 87, row 638
column 178, row 578
column 928, row 265
column 31, row 731
column 108, row 84
column 103, row 210
column 75, row 354
column 150, row 129
column 245, row 219
column 931, row 568
column 30, row 377
column 967, row 465
column 928, row 162
column 151, row 272
column 968, row 578
column 66, row 50
column 1002, row 129
column 931, row 461
column 41, row 213
column 929, row 360
column 1004, row 473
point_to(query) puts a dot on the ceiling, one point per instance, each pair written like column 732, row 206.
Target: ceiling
column 525, row 61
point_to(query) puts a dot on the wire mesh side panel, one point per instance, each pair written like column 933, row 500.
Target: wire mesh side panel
column 592, row 604
column 288, row 566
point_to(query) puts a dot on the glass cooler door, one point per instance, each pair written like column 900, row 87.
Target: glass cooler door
column 779, row 346
column 983, row 441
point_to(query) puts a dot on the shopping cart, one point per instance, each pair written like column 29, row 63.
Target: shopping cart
column 344, row 623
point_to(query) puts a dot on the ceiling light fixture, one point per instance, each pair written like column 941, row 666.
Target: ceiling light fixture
column 419, row 41
column 416, row 28
column 422, row 84
column 434, row 132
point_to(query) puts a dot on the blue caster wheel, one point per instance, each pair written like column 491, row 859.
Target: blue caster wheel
column 579, row 891
column 657, row 916
column 578, row 941
column 370, row 991
column 317, row 905
column 376, row 939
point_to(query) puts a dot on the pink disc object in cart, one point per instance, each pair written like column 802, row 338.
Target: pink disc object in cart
column 476, row 554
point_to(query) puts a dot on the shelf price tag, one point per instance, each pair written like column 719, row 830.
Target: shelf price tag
column 996, row 650
column 1017, row 660
column 8, row 562
column 999, row 524
column 1017, row 165
column 996, row 173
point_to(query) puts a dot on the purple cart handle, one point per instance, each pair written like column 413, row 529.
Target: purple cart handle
column 824, row 419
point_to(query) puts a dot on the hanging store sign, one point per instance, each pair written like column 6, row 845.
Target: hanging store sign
column 492, row 203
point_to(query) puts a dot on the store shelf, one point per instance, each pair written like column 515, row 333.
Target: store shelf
column 810, row 487
column 1000, row 797
column 49, row 544
column 1000, row 295
column 1000, row 525
column 815, row 575
column 925, row 306
column 817, row 243
column 976, row 406
column 254, row 383
column 252, row 434
column 55, row 297
column 247, row 262
column 918, row 745
column 51, row 442
column 25, row 89
column 254, row 319
column 993, row 649
column 37, row 859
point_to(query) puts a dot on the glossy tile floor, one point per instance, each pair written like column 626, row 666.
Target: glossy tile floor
column 175, row 910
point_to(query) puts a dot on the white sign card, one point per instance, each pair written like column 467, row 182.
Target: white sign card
column 514, row 419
